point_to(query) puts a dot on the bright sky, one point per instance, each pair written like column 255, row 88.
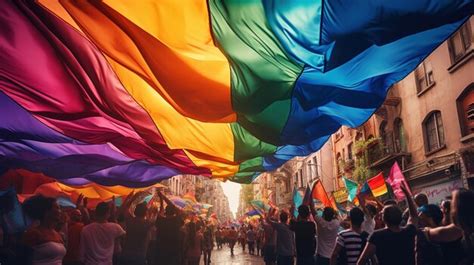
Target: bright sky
column 232, row 191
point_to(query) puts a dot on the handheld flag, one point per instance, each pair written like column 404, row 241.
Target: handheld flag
column 351, row 187
column 319, row 193
column 307, row 199
column 297, row 200
column 377, row 185
column 396, row 179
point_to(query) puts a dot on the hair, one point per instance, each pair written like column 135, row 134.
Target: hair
column 283, row 217
column 169, row 210
column 356, row 216
column 389, row 202
column 372, row 209
column 421, row 199
column 303, row 211
column 140, row 209
column 37, row 206
column 392, row 215
column 102, row 209
column 192, row 233
column 463, row 209
column 328, row 213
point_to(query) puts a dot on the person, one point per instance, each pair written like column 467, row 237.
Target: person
column 285, row 244
column 193, row 244
column 45, row 242
column 350, row 242
column 169, row 233
column 426, row 252
column 138, row 235
column 232, row 239
column 208, row 244
column 97, row 241
column 327, row 227
column 446, row 209
column 393, row 245
column 370, row 211
column 243, row 237
column 305, row 232
column 456, row 238
column 269, row 244
column 219, row 237
column 251, row 237
column 78, row 218
column 259, row 239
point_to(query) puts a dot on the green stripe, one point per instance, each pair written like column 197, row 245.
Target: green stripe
column 248, row 170
column 262, row 75
column 247, row 146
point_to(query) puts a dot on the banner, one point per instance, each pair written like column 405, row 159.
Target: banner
column 341, row 195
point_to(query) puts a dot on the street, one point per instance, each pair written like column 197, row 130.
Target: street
column 222, row 257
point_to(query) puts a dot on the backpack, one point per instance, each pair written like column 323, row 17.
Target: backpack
column 342, row 258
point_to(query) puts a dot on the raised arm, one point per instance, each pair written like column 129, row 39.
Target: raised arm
column 413, row 219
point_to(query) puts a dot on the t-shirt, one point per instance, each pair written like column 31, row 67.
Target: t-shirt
column 168, row 235
column 395, row 248
column 353, row 244
column 98, row 241
column 305, row 232
column 74, row 240
column 137, row 238
column 327, row 234
column 368, row 225
column 285, row 240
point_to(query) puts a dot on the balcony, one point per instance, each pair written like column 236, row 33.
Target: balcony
column 386, row 152
column 348, row 165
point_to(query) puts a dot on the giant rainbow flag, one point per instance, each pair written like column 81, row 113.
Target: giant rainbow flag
column 129, row 93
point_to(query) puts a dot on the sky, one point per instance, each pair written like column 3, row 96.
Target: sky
column 232, row 191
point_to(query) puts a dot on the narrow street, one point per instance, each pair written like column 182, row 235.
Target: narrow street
column 222, row 257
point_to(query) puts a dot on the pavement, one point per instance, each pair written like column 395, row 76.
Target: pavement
column 222, row 257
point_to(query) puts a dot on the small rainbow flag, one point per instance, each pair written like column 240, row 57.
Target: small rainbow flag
column 377, row 185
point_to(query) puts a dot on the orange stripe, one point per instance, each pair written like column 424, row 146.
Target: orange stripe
column 189, row 72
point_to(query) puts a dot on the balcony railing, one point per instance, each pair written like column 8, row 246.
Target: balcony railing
column 388, row 147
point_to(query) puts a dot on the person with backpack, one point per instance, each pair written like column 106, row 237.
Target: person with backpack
column 350, row 242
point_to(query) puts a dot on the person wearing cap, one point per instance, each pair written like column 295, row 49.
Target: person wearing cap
column 426, row 252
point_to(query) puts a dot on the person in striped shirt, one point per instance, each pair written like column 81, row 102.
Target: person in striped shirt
column 350, row 242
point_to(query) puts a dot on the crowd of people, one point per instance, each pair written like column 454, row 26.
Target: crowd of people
column 138, row 233
column 134, row 234
column 374, row 233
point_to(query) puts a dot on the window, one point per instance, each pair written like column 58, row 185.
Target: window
column 287, row 185
column 465, row 105
column 460, row 43
column 433, row 131
column 300, row 173
column 339, row 163
column 349, row 151
column 399, row 133
column 424, row 76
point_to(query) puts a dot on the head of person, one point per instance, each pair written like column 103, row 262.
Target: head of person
column 389, row 202
column 430, row 215
column 329, row 214
column 170, row 210
column 446, row 207
column 76, row 216
column 303, row 211
column 284, row 217
column 44, row 209
column 462, row 210
column 356, row 217
column 102, row 211
column 140, row 210
column 371, row 209
column 421, row 199
column 392, row 215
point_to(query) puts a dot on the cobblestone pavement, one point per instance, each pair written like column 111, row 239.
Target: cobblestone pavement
column 222, row 257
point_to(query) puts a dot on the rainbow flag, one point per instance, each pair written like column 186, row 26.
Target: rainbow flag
column 377, row 185
column 122, row 93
